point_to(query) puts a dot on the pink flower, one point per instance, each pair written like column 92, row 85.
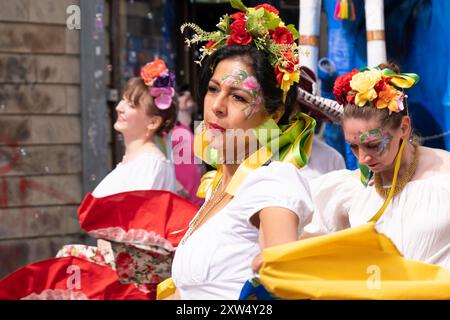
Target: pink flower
column 163, row 97
column 251, row 84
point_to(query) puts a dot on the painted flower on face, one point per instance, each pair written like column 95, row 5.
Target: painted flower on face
column 251, row 107
column 241, row 78
column 374, row 135
column 363, row 83
column 235, row 78
column 251, row 84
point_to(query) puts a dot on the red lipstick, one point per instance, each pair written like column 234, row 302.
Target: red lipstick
column 214, row 126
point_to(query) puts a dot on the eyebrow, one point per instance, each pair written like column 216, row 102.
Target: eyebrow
column 232, row 87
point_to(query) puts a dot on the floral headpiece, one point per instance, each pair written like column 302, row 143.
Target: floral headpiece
column 161, row 82
column 374, row 86
column 261, row 26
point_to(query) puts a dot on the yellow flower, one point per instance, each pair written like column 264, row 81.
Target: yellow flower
column 289, row 79
column 363, row 83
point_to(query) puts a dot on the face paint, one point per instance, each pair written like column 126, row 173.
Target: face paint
column 377, row 135
column 240, row 78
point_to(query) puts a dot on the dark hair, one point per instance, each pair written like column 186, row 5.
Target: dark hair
column 263, row 72
column 368, row 112
column 139, row 94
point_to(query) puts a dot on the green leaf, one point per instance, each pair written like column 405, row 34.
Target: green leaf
column 255, row 24
column 293, row 30
column 259, row 12
column 237, row 4
column 273, row 23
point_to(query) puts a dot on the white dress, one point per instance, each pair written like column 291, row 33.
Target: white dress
column 148, row 171
column 323, row 159
column 417, row 220
column 215, row 261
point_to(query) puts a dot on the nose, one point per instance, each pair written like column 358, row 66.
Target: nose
column 363, row 157
column 119, row 106
column 219, row 105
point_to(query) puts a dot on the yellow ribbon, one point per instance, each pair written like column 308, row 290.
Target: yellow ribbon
column 401, row 80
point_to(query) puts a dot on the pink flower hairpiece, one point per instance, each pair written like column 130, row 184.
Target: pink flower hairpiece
column 163, row 97
column 161, row 82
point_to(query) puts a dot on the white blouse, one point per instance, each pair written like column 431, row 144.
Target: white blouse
column 148, row 171
column 215, row 261
column 417, row 220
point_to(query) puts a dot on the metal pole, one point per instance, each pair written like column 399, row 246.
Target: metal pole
column 376, row 43
column 309, row 29
column 93, row 94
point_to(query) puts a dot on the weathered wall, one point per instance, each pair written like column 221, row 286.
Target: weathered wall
column 40, row 138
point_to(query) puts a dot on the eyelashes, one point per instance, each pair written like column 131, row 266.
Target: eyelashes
column 213, row 89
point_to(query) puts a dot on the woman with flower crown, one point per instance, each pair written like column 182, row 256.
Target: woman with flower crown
column 382, row 231
column 145, row 114
column 247, row 88
column 133, row 212
column 378, row 128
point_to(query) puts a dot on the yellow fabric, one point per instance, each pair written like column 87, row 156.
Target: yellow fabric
column 209, row 180
column 346, row 265
column 165, row 289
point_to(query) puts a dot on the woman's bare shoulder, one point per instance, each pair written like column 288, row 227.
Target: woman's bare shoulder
column 436, row 159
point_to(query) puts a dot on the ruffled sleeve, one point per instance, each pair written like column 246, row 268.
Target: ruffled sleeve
column 332, row 195
column 276, row 185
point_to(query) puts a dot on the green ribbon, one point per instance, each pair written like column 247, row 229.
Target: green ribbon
column 401, row 80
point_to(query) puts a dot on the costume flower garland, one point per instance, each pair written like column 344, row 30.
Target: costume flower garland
column 161, row 82
column 260, row 26
column 374, row 86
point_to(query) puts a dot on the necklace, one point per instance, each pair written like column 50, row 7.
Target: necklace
column 203, row 211
column 401, row 183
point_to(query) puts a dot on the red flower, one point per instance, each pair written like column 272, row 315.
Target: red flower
column 282, row 36
column 123, row 260
column 381, row 85
column 279, row 75
column 210, row 44
column 289, row 62
column 342, row 87
column 239, row 34
column 238, row 16
column 268, row 7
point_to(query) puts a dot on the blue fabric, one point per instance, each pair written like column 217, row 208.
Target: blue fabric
column 254, row 290
column 418, row 40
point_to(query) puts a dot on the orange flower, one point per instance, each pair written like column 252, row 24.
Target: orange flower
column 389, row 97
column 153, row 70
